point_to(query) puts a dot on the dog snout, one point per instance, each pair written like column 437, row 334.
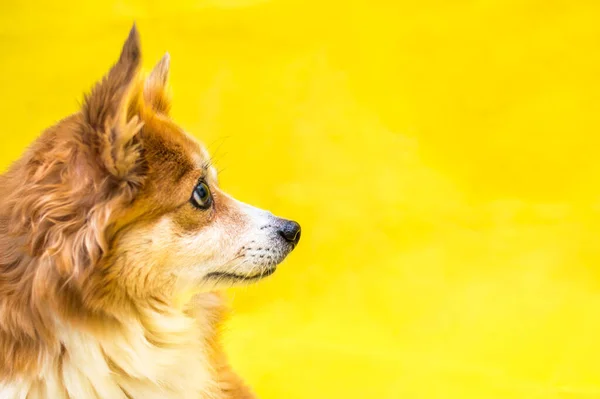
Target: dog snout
column 290, row 231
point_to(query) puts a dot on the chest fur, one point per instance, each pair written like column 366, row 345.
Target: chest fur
column 161, row 359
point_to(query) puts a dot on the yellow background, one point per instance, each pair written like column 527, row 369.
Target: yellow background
column 441, row 156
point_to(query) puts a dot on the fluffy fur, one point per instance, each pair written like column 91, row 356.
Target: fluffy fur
column 98, row 239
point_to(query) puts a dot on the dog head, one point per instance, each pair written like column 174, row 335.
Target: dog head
column 179, row 227
column 119, row 198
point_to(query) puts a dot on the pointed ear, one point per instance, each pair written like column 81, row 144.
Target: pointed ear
column 155, row 88
column 105, row 112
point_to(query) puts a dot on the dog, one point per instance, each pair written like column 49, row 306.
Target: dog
column 109, row 219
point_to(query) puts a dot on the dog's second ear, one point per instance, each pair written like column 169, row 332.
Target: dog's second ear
column 155, row 87
column 110, row 122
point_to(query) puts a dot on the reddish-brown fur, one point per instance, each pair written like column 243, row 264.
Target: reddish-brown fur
column 117, row 164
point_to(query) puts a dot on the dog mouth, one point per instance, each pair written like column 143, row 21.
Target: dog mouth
column 241, row 277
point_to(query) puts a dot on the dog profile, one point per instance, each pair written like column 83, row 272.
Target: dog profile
column 105, row 221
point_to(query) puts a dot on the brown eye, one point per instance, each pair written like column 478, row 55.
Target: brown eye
column 201, row 197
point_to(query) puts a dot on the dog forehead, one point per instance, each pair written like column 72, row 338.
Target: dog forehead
column 201, row 160
column 200, row 156
column 168, row 142
column 194, row 152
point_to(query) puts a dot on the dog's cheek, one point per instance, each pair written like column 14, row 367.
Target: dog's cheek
column 156, row 256
column 140, row 260
column 205, row 250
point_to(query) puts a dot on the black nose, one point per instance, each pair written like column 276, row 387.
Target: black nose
column 290, row 231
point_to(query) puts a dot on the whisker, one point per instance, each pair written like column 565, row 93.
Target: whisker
column 219, row 171
column 222, row 139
